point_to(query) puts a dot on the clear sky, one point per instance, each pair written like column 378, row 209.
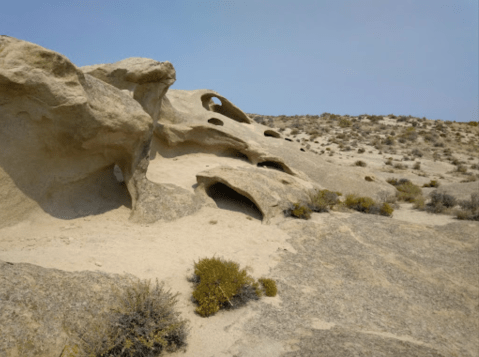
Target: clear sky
column 273, row 57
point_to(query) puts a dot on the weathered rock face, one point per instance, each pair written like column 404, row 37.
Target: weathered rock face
column 44, row 310
column 62, row 131
column 271, row 191
column 146, row 80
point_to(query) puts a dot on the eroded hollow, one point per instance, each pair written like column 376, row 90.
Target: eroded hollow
column 272, row 133
column 215, row 121
column 288, row 139
column 225, row 108
column 227, row 198
column 275, row 165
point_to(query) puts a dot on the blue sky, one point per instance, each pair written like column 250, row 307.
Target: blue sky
column 273, row 57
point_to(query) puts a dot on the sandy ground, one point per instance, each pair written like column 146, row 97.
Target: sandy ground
column 167, row 250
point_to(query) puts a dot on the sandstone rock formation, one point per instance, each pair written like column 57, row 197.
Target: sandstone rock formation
column 271, row 191
column 62, row 131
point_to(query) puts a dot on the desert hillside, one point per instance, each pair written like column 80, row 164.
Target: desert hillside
column 368, row 225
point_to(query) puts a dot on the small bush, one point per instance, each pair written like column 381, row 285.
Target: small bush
column 368, row 178
column 440, row 202
column 299, row 211
column 361, row 150
column 432, row 183
column 367, row 205
column 269, row 286
column 324, row 200
column 400, row 166
column 344, row 123
column 470, row 209
column 389, row 141
column 417, row 153
column 221, row 284
column 407, row 191
column 417, row 166
column 360, row 163
column 143, row 324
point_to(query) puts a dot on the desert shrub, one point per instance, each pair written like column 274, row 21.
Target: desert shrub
column 410, row 134
column 269, row 286
column 419, row 203
column 389, row 141
column 432, row 183
column 368, row 178
column 298, row 210
column 470, row 209
column 461, row 168
column 400, row 166
column 361, row 150
column 367, row 205
column 222, row 284
column 473, row 123
column 143, row 324
column 417, row 153
column 417, row 166
column 388, row 162
column 406, row 190
column 295, row 131
column 440, row 202
column 360, row 163
column 324, row 200
column 344, row 123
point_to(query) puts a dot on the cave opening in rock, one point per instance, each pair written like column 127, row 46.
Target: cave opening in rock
column 274, row 165
column 209, row 102
column 216, row 121
column 272, row 134
column 227, row 198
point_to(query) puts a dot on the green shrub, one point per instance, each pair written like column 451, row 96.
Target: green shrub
column 298, row 210
column 221, row 284
column 143, row 324
column 344, row 123
column 386, row 210
column 432, row 183
column 360, row 163
column 367, row 205
column 324, row 200
column 269, row 286
column 406, row 190
column 400, row 166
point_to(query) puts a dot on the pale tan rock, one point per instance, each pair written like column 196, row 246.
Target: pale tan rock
column 271, row 191
column 62, row 132
column 146, row 80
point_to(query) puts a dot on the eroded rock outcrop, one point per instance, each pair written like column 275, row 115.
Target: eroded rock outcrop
column 62, row 131
column 271, row 191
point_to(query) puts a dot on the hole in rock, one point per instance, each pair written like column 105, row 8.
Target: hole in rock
column 209, row 102
column 302, row 150
column 227, row 198
column 272, row 133
column 215, row 121
column 234, row 154
column 287, row 139
column 273, row 165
